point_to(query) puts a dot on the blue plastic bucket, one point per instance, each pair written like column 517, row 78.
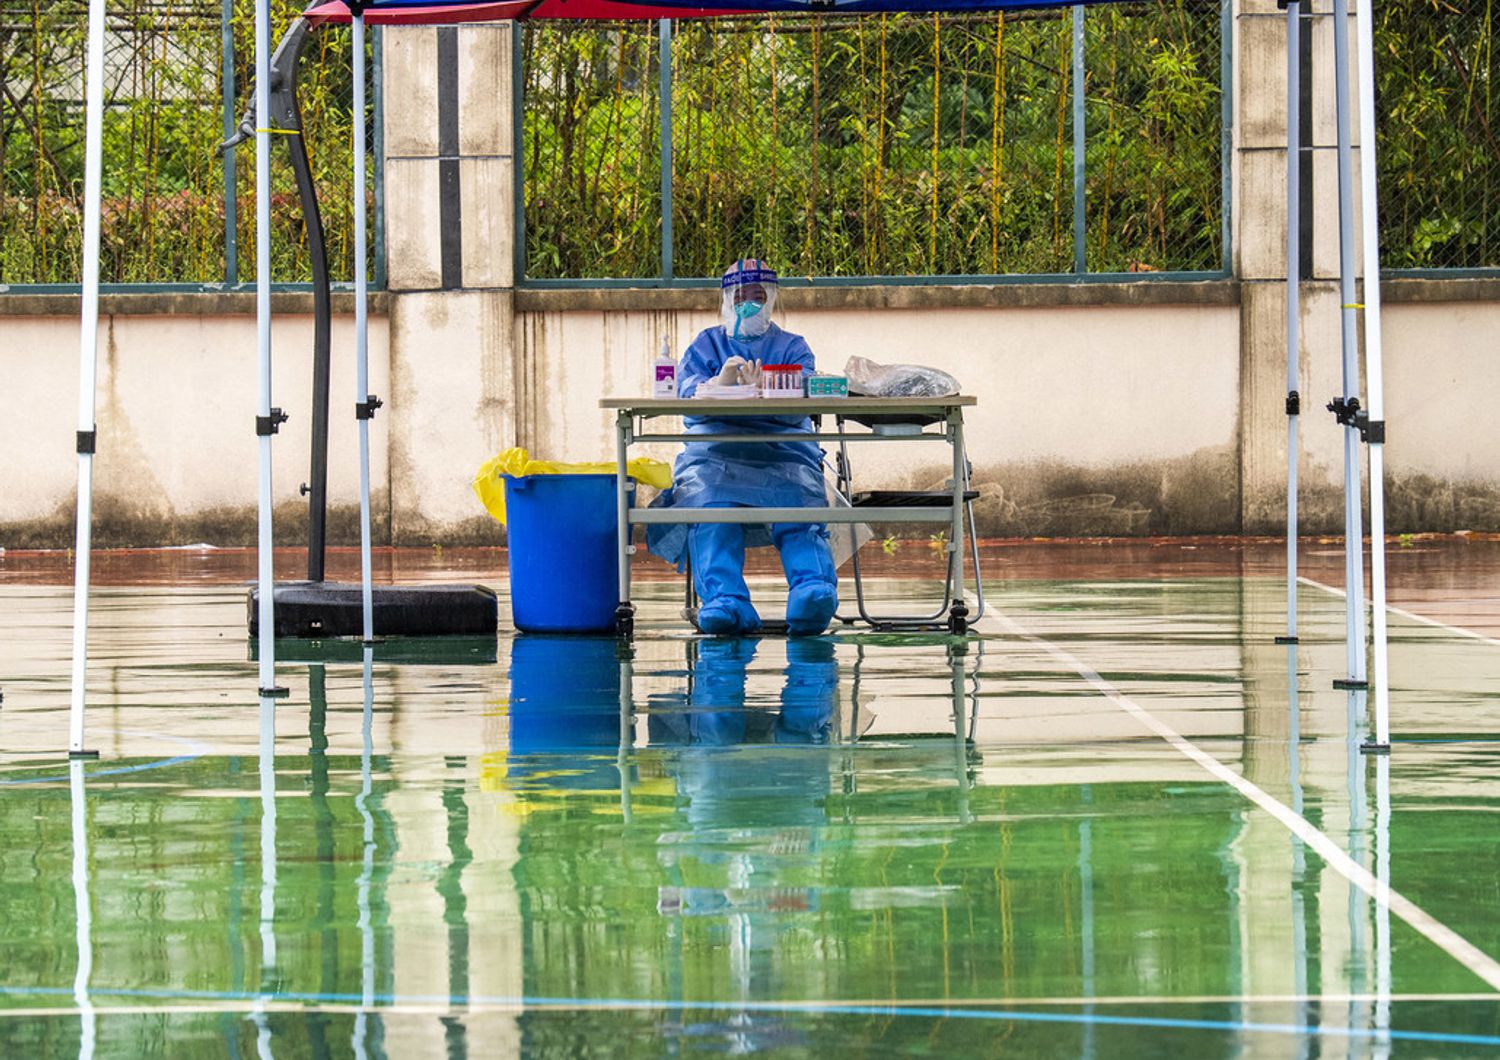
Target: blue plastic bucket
column 564, row 563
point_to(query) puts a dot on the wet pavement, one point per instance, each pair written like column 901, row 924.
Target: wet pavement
column 1117, row 820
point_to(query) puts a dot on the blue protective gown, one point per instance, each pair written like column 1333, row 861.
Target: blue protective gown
column 760, row 474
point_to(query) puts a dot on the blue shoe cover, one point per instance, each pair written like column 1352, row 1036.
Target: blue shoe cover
column 809, row 609
column 727, row 616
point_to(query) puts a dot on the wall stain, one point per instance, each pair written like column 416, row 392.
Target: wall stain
column 123, row 523
column 1195, row 494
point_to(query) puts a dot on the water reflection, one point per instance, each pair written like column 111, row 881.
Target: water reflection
column 704, row 823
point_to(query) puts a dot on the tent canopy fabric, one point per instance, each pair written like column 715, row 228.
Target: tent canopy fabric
column 424, row 12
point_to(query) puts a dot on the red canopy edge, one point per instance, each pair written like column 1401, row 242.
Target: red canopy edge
column 437, row 14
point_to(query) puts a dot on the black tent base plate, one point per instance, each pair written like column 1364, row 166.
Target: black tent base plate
column 318, row 610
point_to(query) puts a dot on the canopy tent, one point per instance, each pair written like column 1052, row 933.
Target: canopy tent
column 1359, row 423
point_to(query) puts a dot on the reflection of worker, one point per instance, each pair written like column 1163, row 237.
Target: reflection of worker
column 714, row 715
column 750, row 474
column 754, row 821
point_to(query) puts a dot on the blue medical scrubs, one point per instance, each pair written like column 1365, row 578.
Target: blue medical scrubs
column 759, row 474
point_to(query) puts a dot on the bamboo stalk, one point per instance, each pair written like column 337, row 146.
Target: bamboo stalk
column 1062, row 117
column 997, row 141
column 812, row 185
column 937, row 97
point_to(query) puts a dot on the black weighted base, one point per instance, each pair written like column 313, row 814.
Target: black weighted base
column 315, row 610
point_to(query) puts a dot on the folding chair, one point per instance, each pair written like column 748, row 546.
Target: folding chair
column 907, row 423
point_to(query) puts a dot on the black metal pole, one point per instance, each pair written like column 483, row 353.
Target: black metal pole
column 317, row 484
column 287, row 113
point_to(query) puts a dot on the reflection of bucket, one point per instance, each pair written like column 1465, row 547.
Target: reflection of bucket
column 564, row 552
column 564, row 693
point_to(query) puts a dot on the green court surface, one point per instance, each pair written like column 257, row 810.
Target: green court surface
column 1117, row 820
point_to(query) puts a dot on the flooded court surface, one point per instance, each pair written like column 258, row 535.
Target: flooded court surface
column 1117, row 820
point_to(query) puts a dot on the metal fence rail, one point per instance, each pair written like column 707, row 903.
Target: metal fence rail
column 177, row 78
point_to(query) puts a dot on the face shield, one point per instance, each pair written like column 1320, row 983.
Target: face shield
column 748, row 298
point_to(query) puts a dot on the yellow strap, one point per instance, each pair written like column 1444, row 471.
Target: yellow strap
column 281, row 132
column 1353, row 305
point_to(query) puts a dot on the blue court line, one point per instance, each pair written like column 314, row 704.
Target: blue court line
column 782, row 1007
column 63, row 778
column 198, row 751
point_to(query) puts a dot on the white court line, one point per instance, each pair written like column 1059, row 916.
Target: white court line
column 1445, row 938
column 1460, row 630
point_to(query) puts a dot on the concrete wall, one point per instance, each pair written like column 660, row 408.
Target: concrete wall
column 1103, row 408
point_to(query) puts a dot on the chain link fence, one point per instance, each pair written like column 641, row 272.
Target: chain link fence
column 902, row 145
column 1438, row 134
column 172, row 211
column 897, row 145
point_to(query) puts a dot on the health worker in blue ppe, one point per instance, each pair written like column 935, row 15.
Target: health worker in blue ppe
column 778, row 474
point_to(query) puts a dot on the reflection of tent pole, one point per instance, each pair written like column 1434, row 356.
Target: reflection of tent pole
column 88, row 344
column 1354, row 774
column 1374, row 428
column 367, row 870
column 1293, row 298
column 365, row 403
column 1382, row 910
column 1299, row 854
column 1354, row 581
column 267, row 752
column 267, row 419
column 1086, row 912
column 83, row 913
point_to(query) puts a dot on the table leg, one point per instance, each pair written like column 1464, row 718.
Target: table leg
column 624, row 610
column 958, row 614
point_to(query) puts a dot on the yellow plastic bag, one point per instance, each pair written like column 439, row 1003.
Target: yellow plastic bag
column 489, row 481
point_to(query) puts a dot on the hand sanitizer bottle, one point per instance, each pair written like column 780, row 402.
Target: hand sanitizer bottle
column 665, row 385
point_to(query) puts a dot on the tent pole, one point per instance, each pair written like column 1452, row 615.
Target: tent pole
column 1293, row 299
column 1374, row 380
column 364, row 404
column 1354, row 548
column 267, row 419
column 87, row 369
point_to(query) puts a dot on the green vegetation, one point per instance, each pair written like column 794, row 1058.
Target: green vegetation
column 1438, row 129
column 894, row 145
column 836, row 146
column 163, row 217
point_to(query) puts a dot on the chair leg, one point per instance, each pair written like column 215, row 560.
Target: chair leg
column 690, row 595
